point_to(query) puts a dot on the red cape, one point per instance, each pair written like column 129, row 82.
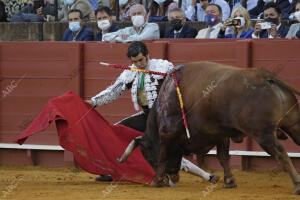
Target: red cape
column 94, row 143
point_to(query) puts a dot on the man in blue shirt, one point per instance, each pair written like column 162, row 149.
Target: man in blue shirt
column 104, row 22
column 76, row 31
column 272, row 14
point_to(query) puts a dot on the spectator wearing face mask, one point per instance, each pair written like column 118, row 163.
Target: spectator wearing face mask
column 294, row 31
column 83, row 5
column 76, row 31
column 125, row 6
column 285, row 6
column 239, row 23
column 179, row 28
column 272, row 14
column 213, row 18
column 159, row 9
column 104, row 22
column 140, row 30
column 292, row 14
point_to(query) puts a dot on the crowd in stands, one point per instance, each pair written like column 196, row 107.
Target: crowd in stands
column 224, row 18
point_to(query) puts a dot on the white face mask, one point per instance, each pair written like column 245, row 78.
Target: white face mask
column 138, row 20
column 123, row 2
column 297, row 16
column 242, row 22
column 159, row 1
column 74, row 26
column 104, row 24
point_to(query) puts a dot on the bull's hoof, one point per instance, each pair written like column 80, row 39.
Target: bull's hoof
column 174, row 177
column 213, row 178
column 160, row 182
column 297, row 190
column 155, row 184
column 229, row 183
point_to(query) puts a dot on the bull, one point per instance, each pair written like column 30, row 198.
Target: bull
column 221, row 102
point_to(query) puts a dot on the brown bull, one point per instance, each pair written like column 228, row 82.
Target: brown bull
column 221, row 102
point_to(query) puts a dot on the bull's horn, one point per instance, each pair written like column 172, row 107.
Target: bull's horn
column 132, row 145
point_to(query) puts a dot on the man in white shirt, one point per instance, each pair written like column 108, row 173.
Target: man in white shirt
column 140, row 30
column 213, row 19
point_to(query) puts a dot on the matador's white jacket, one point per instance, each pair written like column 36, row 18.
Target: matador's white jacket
column 129, row 77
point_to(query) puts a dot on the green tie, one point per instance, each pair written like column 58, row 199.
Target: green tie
column 141, row 86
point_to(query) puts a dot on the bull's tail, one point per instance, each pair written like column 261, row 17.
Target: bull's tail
column 272, row 77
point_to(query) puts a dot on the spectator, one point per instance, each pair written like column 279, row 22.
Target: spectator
column 242, row 29
column 225, row 8
column 3, row 15
column 83, row 5
column 213, row 19
column 195, row 9
column 76, row 31
column 125, row 6
column 104, row 21
column 159, row 9
column 285, row 7
column 179, row 28
column 295, row 28
column 292, row 16
column 140, row 30
column 298, row 34
column 198, row 7
column 272, row 14
column 35, row 11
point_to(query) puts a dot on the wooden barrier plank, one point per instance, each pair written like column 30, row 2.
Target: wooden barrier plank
column 35, row 51
column 221, row 52
column 50, row 70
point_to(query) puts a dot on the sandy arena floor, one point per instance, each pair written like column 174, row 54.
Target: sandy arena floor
column 70, row 183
